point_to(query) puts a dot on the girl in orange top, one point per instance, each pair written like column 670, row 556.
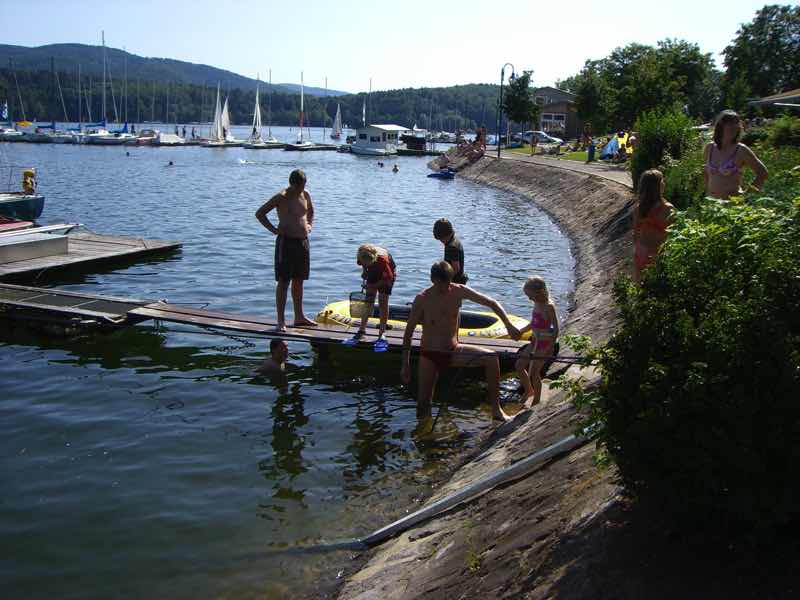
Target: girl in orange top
column 651, row 218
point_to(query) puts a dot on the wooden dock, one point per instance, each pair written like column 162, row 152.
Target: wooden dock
column 23, row 302
column 85, row 250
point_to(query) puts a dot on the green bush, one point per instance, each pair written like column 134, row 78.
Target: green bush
column 698, row 404
column 683, row 178
column 785, row 132
column 660, row 134
column 755, row 135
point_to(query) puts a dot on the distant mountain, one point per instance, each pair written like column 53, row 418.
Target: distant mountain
column 67, row 57
column 310, row 90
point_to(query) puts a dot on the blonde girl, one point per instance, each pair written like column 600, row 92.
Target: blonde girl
column 544, row 331
column 378, row 273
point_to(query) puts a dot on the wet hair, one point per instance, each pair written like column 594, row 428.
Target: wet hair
column 649, row 191
column 276, row 343
column 442, row 272
column 297, row 176
column 536, row 283
column 724, row 118
column 442, row 229
column 367, row 254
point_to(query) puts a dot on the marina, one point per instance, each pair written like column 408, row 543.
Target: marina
column 177, row 385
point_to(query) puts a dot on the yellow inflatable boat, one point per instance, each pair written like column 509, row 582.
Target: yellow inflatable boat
column 473, row 323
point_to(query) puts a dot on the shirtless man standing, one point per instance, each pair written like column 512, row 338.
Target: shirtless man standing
column 292, row 254
column 437, row 309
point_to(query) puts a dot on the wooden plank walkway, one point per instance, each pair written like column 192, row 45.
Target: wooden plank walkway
column 85, row 250
column 17, row 300
column 320, row 334
column 125, row 311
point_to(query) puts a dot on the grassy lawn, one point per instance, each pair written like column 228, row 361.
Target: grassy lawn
column 578, row 156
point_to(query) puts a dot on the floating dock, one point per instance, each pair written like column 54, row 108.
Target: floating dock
column 64, row 307
column 82, row 250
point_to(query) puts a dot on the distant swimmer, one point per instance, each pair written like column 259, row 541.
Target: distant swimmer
column 275, row 363
column 170, row 164
column 292, row 250
column 437, row 309
column 395, row 169
column 127, row 154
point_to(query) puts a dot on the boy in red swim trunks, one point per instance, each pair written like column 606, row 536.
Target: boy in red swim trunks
column 437, row 309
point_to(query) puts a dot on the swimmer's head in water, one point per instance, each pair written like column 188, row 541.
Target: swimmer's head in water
column 442, row 272
column 278, row 349
column 297, row 178
column 367, row 254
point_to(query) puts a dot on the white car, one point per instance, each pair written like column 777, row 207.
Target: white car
column 541, row 137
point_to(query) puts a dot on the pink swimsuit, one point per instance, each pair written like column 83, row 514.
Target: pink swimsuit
column 541, row 334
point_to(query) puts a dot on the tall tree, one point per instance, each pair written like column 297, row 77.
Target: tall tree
column 766, row 52
column 518, row 103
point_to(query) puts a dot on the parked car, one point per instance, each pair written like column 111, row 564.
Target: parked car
column 541, row 137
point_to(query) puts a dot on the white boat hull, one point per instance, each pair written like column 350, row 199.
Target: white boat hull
column 372, row 151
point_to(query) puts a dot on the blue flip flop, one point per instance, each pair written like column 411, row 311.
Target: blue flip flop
column 353, row 341
column 381, row 345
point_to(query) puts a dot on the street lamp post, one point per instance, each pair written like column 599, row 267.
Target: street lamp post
column 500, row 102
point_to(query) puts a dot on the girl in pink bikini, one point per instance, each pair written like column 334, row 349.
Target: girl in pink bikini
column 544, row 331
column 651, row 217
column 725, row 157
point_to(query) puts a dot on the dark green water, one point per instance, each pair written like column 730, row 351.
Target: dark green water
column 153, row 462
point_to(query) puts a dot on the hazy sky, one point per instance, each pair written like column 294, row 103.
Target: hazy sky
column 408, row 43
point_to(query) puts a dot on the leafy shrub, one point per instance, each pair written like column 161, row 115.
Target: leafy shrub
column 783, row 184
column 754, row 135
column 659, row 134
column 698, row 404
column 785, row 132
column 683, row 178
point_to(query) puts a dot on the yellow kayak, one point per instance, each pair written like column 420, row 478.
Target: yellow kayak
column 473, row 323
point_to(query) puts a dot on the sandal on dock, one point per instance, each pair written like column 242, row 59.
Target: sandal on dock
column 353, row 341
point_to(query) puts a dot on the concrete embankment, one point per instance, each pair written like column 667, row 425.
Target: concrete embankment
column 511, row 541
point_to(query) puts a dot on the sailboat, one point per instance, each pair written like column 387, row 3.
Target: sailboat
column 216, row 134
column 301, row 144
column 336, row 133
column 256, row 142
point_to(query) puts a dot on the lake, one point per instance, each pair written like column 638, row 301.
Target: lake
column 152, row 461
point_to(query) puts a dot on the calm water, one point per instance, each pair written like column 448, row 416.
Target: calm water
column 152, row 462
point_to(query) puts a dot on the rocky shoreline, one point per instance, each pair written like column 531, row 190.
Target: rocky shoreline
column 500, row 544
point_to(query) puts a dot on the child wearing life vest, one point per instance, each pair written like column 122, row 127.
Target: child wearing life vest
column 544, row 331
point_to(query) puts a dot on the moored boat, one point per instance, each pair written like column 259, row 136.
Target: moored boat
column 22, row 206
column 377, row 140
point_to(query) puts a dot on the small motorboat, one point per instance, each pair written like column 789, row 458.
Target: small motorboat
column 21, row 205
column 446, row 173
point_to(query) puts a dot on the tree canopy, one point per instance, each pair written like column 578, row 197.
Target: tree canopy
column 765, row 54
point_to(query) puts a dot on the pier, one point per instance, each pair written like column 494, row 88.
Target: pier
column 59, row 306
column 82, row 250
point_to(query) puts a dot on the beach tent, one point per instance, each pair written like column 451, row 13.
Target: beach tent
column 610, row 149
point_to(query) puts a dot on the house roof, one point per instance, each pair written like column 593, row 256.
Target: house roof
column 387, row 127
column 788, row 96
column 548, row 88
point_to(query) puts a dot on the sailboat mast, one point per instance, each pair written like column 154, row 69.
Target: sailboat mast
column 153, row 105
column 138, row 102
column 103, row 35
column 80, row 116
column 269, row 106
column 125, row 85
column 325, row 110
column 301, row 106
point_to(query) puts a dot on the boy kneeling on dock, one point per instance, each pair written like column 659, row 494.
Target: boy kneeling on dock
column 437, row 308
